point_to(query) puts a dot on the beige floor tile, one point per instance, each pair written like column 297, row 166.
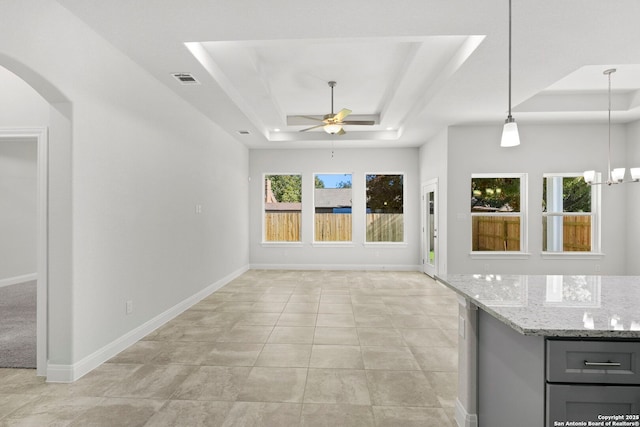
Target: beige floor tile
column 389, row 358
column 248, row 334
column 291, row 335
column 21, row 381
column 396, row 416
column 274, row 298
column 336, row 356
column 370, row 309
column 258, row 319
column 336, row 320
column 50, row 411
column 190, row 413
column 285, row 355
column 297, row 319
column 139, row 353
column 232, row 354
column 185, row 332
column 429, row 338
column 335, row 298
column 262, row 414
column 373, row 321
column 446, row 386
column 274, row 385
column 12, row 402
column 304, row 298
column 213, row 383
column 95, row 383
column 267, row 307
column 335, row 308
column 182, row 353
column 380, row 336
column 334, row 415
column 406, row 321
column 151, row 382
column 123, row 412
column 436, row 358
column 345, row 386
column 301, row 307
column 400, row 388
column 345, row 336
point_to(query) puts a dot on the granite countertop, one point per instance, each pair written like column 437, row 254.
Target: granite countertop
column 561, row 306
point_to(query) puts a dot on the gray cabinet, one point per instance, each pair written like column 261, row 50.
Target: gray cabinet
column 588, row 379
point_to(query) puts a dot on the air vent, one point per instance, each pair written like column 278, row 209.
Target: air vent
column 243, row 132
column 186, row 78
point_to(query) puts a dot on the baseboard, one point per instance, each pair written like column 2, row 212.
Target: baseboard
column 356, row 267
column 463, row 418
column 71, row 373
column 18, row 279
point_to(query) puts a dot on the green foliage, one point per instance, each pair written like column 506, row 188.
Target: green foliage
column 496, row 193
column 286, row 188
column 344, row 184
column 385, row 193
column 318, row 182
column 576, row 195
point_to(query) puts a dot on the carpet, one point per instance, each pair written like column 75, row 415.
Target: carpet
column 18, row 325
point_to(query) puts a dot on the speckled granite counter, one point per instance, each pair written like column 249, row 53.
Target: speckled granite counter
column 556, row 306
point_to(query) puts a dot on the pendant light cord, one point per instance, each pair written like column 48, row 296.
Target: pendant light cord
column 509, row 116
column 609, row 154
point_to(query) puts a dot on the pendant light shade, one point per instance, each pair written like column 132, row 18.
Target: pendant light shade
column 510, row 135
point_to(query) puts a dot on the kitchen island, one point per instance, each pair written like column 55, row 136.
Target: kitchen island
column 538, row 350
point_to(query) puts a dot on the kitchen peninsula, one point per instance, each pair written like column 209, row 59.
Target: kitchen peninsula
column 539, row 350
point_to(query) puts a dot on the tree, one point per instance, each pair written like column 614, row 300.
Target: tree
column 286, row 188
column 344, row 184
column 496, row 193
column 318, row 182
column 384, row 193
column 576, row 195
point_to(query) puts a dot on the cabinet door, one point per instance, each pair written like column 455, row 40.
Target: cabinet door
column 587, row 402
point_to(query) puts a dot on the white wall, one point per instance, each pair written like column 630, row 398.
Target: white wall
column 633, row 200
column 358, row 162
column 433, row 165
column 137, row 160
column 18, row 203
column 552, row 148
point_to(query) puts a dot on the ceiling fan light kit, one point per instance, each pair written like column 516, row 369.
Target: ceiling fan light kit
column 615, row 176
column 333, row 124
column 510, row 135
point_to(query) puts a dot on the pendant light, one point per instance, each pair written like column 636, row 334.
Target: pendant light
column 615, row 176
column 510, row 136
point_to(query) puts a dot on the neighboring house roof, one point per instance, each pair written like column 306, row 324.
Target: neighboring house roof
column 332, row 197
column 283, row 206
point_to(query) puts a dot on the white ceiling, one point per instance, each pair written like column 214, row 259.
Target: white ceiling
column 414, row 67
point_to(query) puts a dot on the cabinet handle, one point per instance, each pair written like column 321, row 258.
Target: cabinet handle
column 607, row 363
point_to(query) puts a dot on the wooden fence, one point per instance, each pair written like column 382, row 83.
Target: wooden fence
column 503, row 233
column 576, row 233
column 330, row 227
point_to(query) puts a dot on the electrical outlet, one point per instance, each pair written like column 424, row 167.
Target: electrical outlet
column 129, row 307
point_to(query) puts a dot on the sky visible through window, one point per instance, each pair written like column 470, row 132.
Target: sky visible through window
column 332, row 180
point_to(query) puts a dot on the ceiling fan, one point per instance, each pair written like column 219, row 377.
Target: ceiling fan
column 333, row 123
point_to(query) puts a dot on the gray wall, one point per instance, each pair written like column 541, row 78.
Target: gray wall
column 18, row 202
column 550, row 148
column 129, row 160
column 357, row 162
column 633, row 200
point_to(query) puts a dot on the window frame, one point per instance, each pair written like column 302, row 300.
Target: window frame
column 280, row 243
column 522, row 214
column 595, row 214
column 329, row 243
column 403, row 243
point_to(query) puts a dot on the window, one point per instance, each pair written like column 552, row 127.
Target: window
column 569, row 214
column 332, row 201
column 282, row 208
column 385, row 207
column 498, row 212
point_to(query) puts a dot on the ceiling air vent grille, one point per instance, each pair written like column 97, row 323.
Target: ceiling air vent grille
column 185, row 78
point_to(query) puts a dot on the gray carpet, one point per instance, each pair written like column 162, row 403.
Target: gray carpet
column 18, row 325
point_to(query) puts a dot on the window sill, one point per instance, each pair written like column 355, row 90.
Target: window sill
column 379, row 245
column 332, row 244
column 571, row 255
column 281, row 244
column 500, row 255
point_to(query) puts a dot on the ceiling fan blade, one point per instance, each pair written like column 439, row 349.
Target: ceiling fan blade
column 341, row 132
column 359, row 122
column 341, row 114
column 315, row 119
column 312, row 127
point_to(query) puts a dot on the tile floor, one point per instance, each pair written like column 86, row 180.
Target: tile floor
column 272, row 348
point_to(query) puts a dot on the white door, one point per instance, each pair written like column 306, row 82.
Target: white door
column 430, row 228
